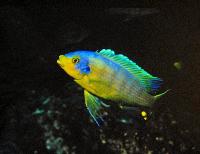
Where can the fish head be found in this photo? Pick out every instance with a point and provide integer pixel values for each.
(75, 64)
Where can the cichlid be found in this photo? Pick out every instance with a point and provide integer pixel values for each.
(110, 76)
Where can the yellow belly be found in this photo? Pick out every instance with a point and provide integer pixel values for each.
(97, 87)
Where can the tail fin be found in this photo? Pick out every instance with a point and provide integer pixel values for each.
(160, 95)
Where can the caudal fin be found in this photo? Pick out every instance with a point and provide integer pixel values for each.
(160, 95)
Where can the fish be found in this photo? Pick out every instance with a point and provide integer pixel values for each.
(105, 75)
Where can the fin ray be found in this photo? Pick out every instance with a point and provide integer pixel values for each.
(94, 106)
(156, 97)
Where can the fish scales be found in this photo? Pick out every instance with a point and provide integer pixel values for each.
(129, 90)
(122, 85)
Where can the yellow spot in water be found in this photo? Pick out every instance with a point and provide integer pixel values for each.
(178, 65)
(143, 113)
(145, 118)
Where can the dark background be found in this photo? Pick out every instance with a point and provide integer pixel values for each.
(34, 35)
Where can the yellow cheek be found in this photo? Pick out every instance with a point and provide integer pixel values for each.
(72, 71)
(69, 68)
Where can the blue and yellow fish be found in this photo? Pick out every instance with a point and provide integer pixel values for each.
(104, 74)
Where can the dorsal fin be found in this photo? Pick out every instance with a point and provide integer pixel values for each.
(149, 82)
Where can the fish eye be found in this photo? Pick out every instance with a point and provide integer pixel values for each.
(75, 60)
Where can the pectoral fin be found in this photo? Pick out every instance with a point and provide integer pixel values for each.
(94, 106)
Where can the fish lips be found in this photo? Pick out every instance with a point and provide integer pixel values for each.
(60, 63)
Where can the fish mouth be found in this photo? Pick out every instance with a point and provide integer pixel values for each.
(59, 63)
